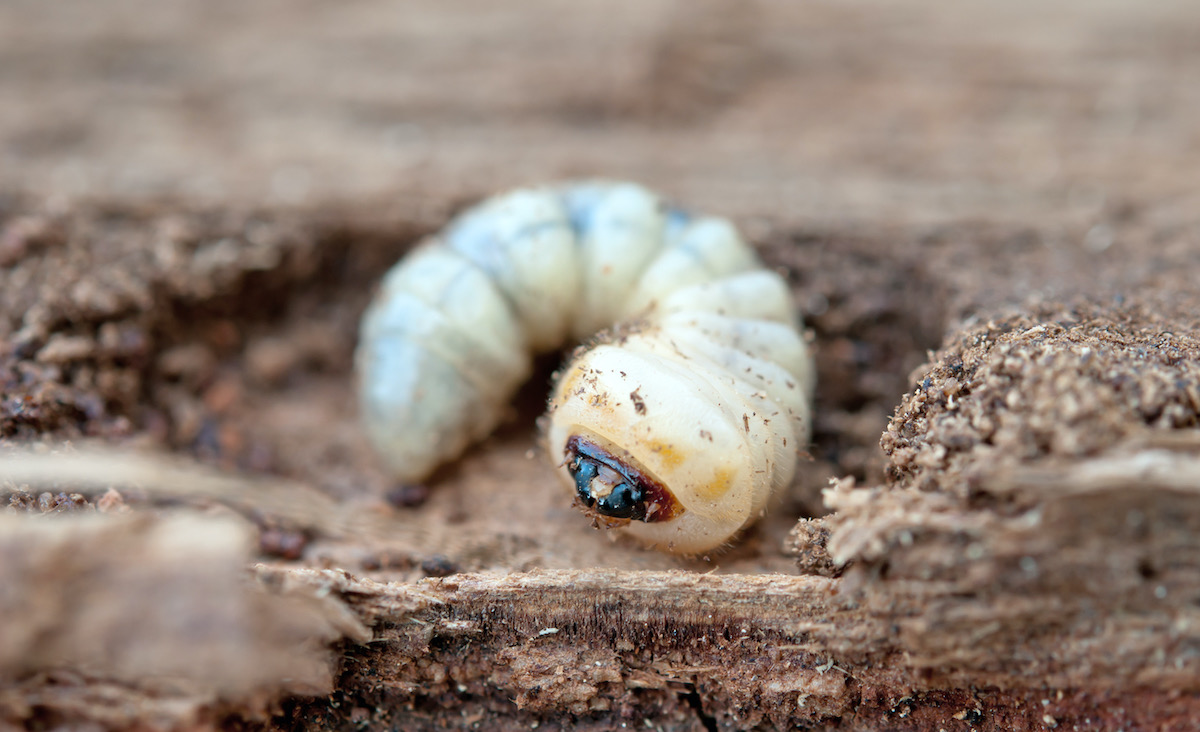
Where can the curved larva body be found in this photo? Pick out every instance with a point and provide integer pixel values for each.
(676, 426)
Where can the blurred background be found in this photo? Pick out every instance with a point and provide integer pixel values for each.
(828, 113)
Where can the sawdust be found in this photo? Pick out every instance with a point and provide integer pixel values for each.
(1058, 381)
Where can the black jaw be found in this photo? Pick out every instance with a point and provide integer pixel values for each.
(612, 485)
(626, 500)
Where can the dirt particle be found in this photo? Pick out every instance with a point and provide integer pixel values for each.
(23, 235)
(282, 543)
(224, 395)
(438, 565)
(192, 364)
(408, 495)
(62, 349)
(111, 502)
(639, 404)
(270, 360)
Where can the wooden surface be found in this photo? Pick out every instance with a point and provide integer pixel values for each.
(989, 218)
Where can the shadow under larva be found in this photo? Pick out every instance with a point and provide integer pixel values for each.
(679, 421)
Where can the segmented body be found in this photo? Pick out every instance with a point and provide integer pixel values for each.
(678, 421)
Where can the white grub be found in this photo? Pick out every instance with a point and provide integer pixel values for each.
(663, 425)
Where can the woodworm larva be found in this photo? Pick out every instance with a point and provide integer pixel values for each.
(674, 425)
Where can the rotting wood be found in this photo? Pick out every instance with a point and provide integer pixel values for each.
(924, 169)
(783, 649)
(142, 618)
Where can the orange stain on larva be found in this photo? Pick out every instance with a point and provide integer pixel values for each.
(668, 454)
(721, 483)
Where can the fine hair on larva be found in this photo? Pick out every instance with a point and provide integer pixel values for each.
(678, 421)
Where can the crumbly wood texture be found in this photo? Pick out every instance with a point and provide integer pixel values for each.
(130, 618)
(988, 219)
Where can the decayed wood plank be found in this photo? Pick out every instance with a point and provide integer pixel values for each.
(781, 649)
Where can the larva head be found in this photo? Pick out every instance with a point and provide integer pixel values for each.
(649, 448)
(609, 482)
